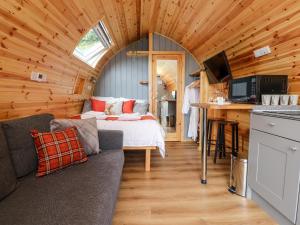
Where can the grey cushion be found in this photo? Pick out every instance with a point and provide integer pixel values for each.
(20, 142)
(81, 194)
(87, 106)
(141, 107)
(8, 178)
(87, 130)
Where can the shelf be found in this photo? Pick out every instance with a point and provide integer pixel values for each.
(144, 82)
(195, 74)
(137, 53)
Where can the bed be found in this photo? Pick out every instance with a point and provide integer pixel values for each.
(141, 132)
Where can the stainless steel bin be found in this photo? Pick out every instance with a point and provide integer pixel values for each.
(238, 175)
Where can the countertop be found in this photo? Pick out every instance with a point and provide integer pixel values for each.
(285, 112)
(223, 106)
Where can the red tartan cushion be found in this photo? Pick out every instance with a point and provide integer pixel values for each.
(57, 150)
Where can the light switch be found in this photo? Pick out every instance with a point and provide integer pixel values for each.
(38, 76)
(262, 51)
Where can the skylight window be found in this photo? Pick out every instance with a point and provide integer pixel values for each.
(93, 45)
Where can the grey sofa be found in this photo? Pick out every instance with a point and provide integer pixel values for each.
(82, 194)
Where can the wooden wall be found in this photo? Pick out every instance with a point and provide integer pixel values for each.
(35, 36)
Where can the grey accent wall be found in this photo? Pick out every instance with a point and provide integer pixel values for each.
(161, 43)
(121, 75)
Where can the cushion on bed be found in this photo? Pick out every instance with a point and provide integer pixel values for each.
(87, 106)
(108, 100)
(141, 108)
(128, 106)
(116, 108)
(98, 105)
(87, 131)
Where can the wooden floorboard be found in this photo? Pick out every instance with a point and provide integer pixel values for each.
(171, 193)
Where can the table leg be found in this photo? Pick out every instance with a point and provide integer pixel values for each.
(204, 147)
(148, 160)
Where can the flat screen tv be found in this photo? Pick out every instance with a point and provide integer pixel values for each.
(217, 68)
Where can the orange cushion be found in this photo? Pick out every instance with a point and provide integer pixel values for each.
(98, 105)
(57, 150)
(128, 106)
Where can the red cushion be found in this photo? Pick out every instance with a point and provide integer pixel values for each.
(57, 150)
(128, 106)
(98, 105)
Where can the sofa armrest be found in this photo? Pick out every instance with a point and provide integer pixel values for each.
(110, 139)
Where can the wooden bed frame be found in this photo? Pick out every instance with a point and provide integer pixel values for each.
(147, 150)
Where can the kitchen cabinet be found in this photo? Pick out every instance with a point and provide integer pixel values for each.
(274, 163)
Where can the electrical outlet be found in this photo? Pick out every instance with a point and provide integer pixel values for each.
(262, 51)
(38, 76)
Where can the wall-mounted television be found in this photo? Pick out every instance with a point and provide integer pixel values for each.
(217, 68)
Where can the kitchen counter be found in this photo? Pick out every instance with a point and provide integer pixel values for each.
(273, 163)
(285, 112)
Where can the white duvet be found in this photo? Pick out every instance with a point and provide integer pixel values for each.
(138, 133)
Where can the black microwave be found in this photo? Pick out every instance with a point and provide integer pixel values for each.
(249, 89)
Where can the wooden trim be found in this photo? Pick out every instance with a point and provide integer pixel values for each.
(150, 42)
(150, 59)
(137, 53)
(140, 147)
(182, 86)
(180, 57)
(167, 52)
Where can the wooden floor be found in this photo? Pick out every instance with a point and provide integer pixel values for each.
(171, 193)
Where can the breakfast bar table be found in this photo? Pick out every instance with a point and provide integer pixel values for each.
(203, 123)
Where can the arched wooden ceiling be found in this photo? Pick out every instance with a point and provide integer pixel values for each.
(42, 34)
(205, 27)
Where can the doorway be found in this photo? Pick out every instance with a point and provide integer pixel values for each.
(167, 84)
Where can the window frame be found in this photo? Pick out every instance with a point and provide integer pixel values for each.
(105, 40)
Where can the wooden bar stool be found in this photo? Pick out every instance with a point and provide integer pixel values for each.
(210, 124)
(221, 142)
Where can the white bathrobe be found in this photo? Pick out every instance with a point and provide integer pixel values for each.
(191, 95)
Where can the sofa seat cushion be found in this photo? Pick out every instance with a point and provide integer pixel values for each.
(81, 194)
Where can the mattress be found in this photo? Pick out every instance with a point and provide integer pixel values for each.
(137, 133)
